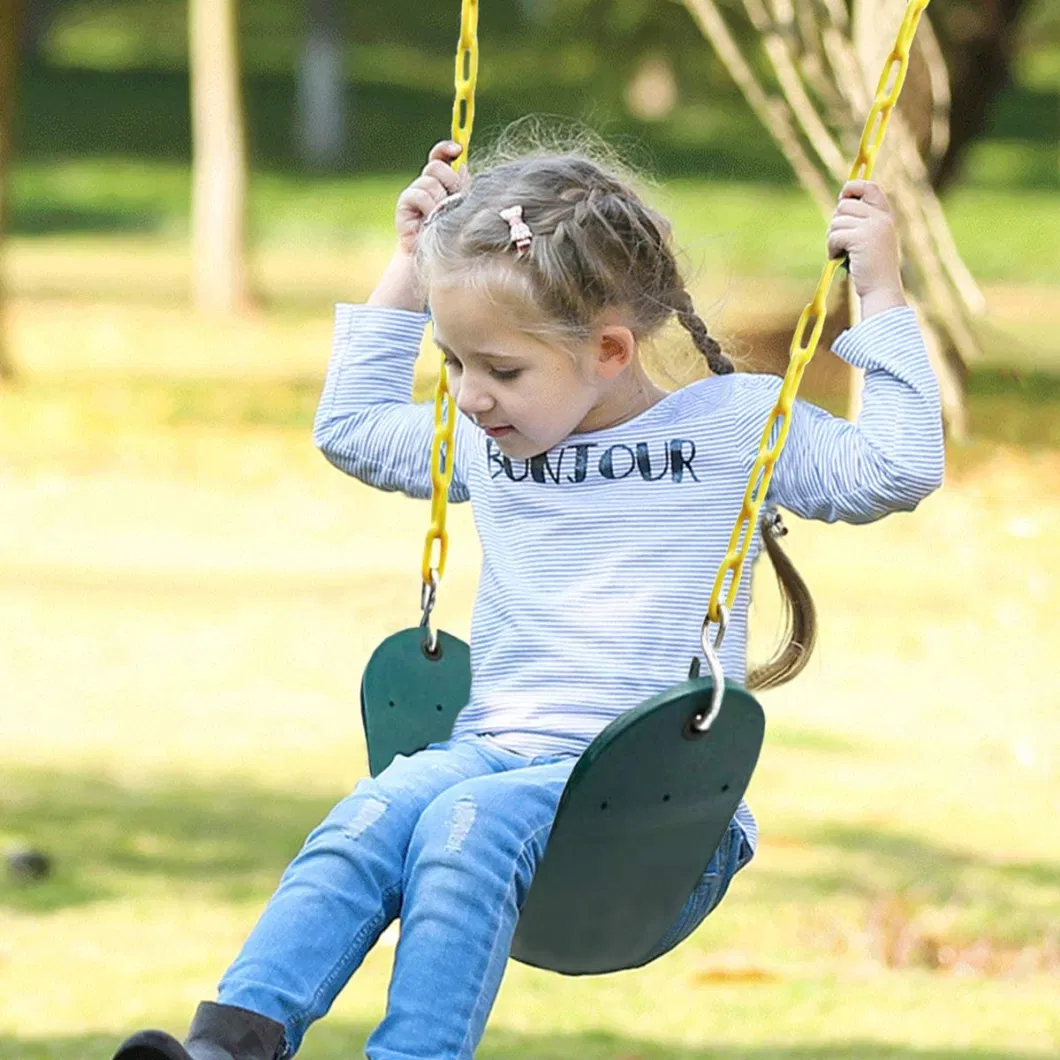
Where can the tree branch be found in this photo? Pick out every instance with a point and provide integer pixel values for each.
(772, 111)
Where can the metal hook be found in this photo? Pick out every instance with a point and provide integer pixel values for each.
(428, 597)
(702, 722)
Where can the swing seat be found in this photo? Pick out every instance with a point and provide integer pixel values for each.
(410, 700)
(642, 813)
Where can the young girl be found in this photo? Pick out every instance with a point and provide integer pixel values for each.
(604, 506)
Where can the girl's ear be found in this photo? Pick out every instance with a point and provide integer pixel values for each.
(615, 347)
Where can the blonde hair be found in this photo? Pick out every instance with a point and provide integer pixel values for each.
(596, 245)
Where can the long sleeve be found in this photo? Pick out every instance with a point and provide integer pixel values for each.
(367, 424)
(893, 456)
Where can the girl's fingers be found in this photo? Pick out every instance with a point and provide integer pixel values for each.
(874, 196)
(432, 186)
(853, 189)
(444, 174)
(842, 234)
(868, 191)
(853, 208)
(436, 182)
(444, 151)
(838, 244)
(417, 200)
(847, 232)
(845, 224)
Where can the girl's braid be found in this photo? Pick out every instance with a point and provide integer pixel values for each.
(645, 238)
(707, 345)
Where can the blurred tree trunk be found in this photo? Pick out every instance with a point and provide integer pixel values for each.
(219, 179)
(979, 43)
(36, 21)
(322, 113)
(10, 24)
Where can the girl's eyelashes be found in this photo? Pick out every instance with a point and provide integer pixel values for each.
(506, 375)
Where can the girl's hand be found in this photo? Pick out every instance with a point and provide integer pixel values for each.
(863, 229)
(437, 181)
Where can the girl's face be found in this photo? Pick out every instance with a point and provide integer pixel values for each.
(527, 395)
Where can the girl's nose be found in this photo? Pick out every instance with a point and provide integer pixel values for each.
(472, 399)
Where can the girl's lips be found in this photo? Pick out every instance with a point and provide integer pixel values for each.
(496, 432)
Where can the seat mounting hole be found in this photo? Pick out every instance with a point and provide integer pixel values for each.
(689, 730)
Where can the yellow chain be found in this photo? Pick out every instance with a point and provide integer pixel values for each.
(466, 76)
(890, 85)
(444, 414)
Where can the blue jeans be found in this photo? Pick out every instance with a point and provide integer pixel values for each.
(448, 840)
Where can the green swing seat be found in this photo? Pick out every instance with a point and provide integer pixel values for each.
(644, 809)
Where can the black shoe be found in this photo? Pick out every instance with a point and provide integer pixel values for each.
(218, 1032)
(151, 1045)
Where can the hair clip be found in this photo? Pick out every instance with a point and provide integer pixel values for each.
(521, 235)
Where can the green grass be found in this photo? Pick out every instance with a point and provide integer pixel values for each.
(1004, 408)
(188, 593)
(347, 1040)
(1010, 236)
(746, 229)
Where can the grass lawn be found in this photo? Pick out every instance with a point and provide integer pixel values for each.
(188, 594)
(116, 231)
(1007, 235)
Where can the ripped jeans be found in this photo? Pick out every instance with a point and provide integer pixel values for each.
(448, 840)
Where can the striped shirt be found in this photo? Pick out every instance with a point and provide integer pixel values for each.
(598, 556)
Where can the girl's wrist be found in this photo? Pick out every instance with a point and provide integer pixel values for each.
(399, 287)
(879, 301)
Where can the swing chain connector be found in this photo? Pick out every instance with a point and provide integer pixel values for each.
(702, 722)
(428, 598)
(774, 525)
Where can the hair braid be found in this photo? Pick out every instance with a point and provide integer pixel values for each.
(707, 345)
